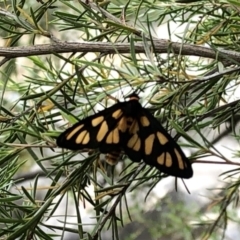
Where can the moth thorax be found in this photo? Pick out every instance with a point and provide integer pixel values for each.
(133, 108)
(113, 158)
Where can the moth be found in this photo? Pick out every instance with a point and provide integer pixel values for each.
(129, 128)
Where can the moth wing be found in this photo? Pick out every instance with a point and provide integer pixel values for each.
(156, 147)
(96, 131)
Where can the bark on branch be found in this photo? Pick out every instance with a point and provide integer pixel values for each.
(160, 46)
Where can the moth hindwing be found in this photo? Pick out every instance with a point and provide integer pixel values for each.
(128, 127)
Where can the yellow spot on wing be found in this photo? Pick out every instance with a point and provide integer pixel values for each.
(117, 114)
(102, 131)
(97, 121)
(144, 121)
(161, 159)
(115, 135)
(165, 159)
(149, 144)
(168, 160)
(179, 158)
(134, 127)
(162, 139)
(137, 145)
(109, 139)
(73, 132)
(132, 141)
(81, 136)
(86, 139)
(122, 124)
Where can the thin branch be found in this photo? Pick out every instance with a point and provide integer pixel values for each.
(160, 46)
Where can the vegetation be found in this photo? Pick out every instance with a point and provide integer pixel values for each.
(64, 60)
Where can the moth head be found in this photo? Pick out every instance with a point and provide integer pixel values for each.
(133, 96)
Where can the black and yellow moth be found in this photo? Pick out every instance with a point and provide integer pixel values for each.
(130, 128)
